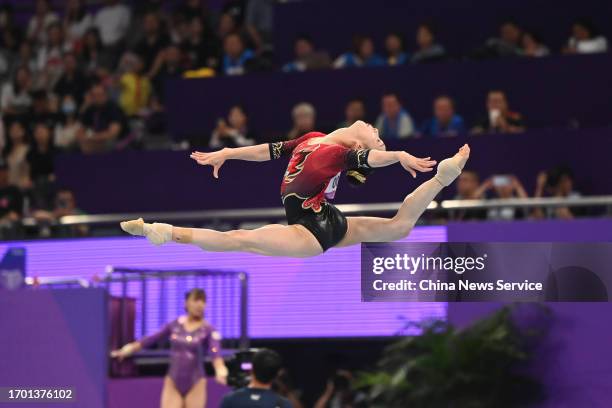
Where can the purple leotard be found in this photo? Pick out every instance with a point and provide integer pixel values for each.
(187, 351)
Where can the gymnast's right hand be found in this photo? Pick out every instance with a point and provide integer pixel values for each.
(123, 352)
(214, 159)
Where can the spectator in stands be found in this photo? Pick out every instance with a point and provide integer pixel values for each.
(266, 366)
(500, 119)
(469, 188)
(557, 182)
(445, 121)
(16, 97)
(50, 55)
(77, 20)
(236, 56)
(154, 40)
(533, 46)
(304, 116)
(40, 163)
(11, 198)
(72, 82)
(93, 55)
(101, 123)
(112, 22)
(508, 44)
(362, 55)
(10, 33)
(65, 204)
(394, 45)
(66, 129)
(428, 50)
(201, 48)
(354, 111)
(167, 66)
(44, 109)
(585, 39)
(135, 86)
(504, 187)
(193, 8)
(226, 25)
(39, 23)
(234, 132)
(25, 58)
(394, 122)
(259, 22)
(15, 155)
(306, 57)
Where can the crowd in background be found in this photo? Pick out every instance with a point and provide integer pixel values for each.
(91, 80)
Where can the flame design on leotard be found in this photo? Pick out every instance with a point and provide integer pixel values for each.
(296, 164)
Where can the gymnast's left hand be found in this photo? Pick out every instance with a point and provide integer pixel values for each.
(411, 163)
(214, 159)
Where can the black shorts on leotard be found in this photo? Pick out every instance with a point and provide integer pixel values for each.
(328, 225)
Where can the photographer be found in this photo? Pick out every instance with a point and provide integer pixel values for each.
(258, 394)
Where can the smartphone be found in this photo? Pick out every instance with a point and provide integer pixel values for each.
(501, 180)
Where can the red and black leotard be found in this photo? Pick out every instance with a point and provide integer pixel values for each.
(312, 174)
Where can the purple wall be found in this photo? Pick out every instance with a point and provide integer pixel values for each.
(461, 26)
(55, 339)
(553, 91)
(170, 181)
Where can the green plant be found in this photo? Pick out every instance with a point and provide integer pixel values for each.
(482, 365)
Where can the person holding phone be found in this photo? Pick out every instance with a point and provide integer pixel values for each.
(233, 132)
(504, 186)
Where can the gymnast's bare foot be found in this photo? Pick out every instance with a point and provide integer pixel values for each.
(449, 169)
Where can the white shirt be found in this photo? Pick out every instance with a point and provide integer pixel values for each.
(591, 46)
(47, 20)
(112, 22)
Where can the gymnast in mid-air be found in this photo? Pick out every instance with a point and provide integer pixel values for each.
(314, 224)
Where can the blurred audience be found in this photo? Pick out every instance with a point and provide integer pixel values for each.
(394, 46)
(445, 121)
(306, 57)
(166, 66)
(201, 49)
(15, 155)
(77, 20)
(585, 39)
(236, 55)
(428, 50)
(469, 188)
(64, 205)
(39, 23)
(533, 46)
(508, 44)
(112, 22)
(40, 162)
(354, 111)
(72, 82)
(135, 87)
(503, 187)
(499, 119)
(557, 182)
(234, 132)
(66, 129)
(11, 198)
(304, 116)
(154, 40)
(101, 123)
(16, 98)
(394, 122)
(362, 55)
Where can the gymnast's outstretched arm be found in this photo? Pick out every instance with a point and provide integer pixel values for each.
(382, 158)
(260, 152)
